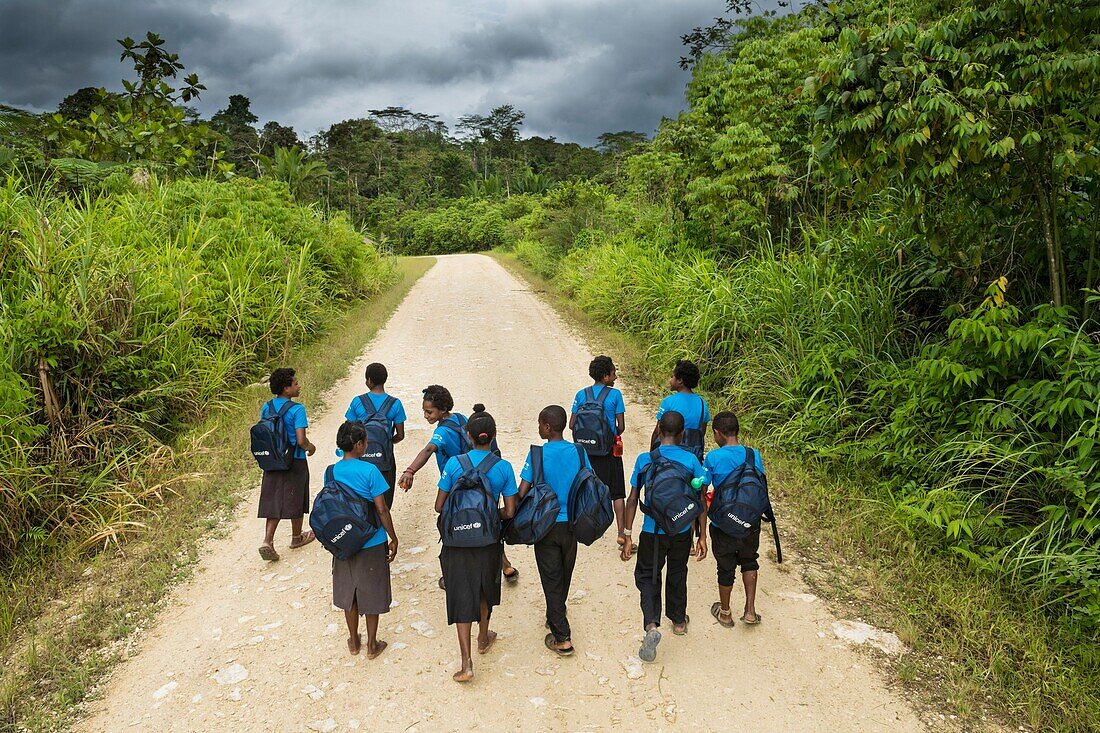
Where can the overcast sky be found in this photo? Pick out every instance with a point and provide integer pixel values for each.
(576, 67)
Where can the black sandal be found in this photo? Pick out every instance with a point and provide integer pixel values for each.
(549, 641)
(514, 577)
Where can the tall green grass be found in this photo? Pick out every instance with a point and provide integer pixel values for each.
(125, 316)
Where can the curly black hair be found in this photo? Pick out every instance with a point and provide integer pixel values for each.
(687, 372)
(280, 379)
(377, 373)
(439, 396)
(726, 423)
(554, 416)
(600, 367)
(350, 433)
(671, 423)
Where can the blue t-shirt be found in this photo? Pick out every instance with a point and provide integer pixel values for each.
(365, 480)
(560, 463)
(612, 407)
(448, 442)
(502, 477)
(693, 407)
(294, 418)
(356, 411)
(721, 462)
(673, 453)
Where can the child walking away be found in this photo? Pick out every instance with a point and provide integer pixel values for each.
(598, 419)
(684, 379)
(469, 494)
(383, 416)
(672, 477)
(740, 503)
(550, 471)
(285, 494)
(361, 580)
(449, 439)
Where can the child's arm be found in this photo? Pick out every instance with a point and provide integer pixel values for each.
(386, 518)
(303, 441)
(629, 512)
(620, 423)
(440, 497)
(524, 487)
(425, 455)
(701, 527)
(509, 509)
(398, 433)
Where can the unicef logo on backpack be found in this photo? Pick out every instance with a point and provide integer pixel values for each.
(585, 441)
(738, 520)
(464, 527)
(347, 528)
(684, 513)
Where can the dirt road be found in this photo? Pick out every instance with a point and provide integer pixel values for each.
(249, 646)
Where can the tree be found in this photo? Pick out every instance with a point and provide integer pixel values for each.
(275, 135)
(80, 103)
(620, 142)
(292, 167)
(993, 103)
(236, 123)
(400, 119)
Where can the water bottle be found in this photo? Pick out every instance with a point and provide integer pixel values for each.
(697, 483)
(617, 448)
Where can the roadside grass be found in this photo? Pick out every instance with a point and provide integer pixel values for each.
(976, 655)
(66, 622)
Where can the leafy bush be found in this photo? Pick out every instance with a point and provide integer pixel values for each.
(469, 225)
(124, 316)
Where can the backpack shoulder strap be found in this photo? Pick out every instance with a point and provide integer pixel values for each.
(464, 462)
(702, 412)
(330, 476)
(604, 394)
(581, 454)
(285, 408)
(487, 463)
(387, 405)
(536, 464)
(589, 394)
(750, 457)
(368, 406)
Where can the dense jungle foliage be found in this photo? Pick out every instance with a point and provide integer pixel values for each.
(134, 295)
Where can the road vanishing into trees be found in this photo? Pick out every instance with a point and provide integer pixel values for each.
(249, 646)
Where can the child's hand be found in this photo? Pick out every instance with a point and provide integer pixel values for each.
(406, 480)
(628, 548)
(311, 449)
(393, 550)
(700, 548)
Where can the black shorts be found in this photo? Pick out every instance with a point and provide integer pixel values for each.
(609, 469)
(730, 552)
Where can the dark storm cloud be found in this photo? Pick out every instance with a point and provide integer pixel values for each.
(576, 69)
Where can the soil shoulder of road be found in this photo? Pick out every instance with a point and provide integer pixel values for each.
(248, 646)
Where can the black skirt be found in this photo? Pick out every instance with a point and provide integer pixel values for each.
(285, 494)
(363, 580)
(609, 469)
(470, 574)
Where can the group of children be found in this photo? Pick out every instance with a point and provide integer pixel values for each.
(462, 446)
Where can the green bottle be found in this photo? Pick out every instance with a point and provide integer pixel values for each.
(697, 483)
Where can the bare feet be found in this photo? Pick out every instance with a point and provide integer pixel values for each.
(484, 645)
(466, 673)
(378, 648)
(355, 644)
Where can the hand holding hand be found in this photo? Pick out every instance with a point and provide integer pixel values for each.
(628, 548)
(406, 480)
(700, 548)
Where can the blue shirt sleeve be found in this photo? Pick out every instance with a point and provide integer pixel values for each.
(299, 419)
(640, 463)
(350, 413)
(447, 477)
(577, 400)
(439, 438)
(698, 471)
(706, 411)
(397, 413)
(708, 468)
(526, 473)
(508, 476)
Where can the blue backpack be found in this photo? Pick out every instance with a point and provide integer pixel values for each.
(379, 433)
(694, 438)
(669, 498)
(590, 428)
(342, 520)
(469, 517)
(457, 423)
(741, 502)
(538, 510)
(271, 446)
(590, 509)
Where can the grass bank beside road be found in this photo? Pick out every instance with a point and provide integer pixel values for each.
(68, 619)
(976, 650)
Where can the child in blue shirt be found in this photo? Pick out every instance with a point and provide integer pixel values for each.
(556, 553)
(684, 379)
(728, 551)
(674, 550)
(285, 494)
(608, 468)
(444, 444)
(472, 574)
(361, 583)
(376, 376)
